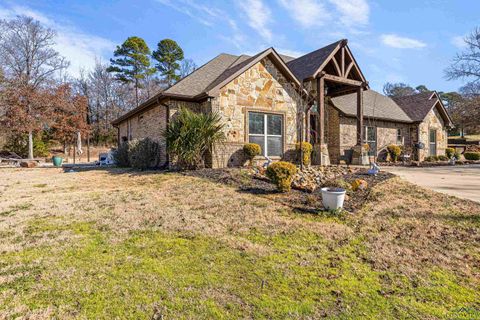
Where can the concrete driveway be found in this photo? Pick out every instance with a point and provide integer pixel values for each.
(459, 181)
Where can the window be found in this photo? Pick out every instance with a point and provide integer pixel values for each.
(432, 150)
(266, 130)
(371, 139)
(399, 136)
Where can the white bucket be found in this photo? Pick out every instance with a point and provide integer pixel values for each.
(333, 198)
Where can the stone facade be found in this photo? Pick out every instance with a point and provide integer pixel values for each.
(262, 88)
(433, 121)
(342, 134)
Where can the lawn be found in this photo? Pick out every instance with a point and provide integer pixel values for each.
(106, 244)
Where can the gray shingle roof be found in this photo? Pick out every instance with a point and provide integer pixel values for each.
(305, 66)
(417, 106)
(197, 82)
(375, 105)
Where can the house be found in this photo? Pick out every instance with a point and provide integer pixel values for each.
(275, 101)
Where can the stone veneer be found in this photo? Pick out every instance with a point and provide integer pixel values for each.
(262, 88)
(342, 134)
(433, 120)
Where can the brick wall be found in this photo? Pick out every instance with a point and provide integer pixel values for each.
(149, 123)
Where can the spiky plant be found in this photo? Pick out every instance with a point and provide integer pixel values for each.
(191, 136)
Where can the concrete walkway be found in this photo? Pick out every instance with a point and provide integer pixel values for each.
(459, 181)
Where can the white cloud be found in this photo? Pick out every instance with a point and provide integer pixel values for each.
(353, 12)
(459, 42)
(80, 48)
(209, 16)
(259, 17)
(308, 13)
(396, 41)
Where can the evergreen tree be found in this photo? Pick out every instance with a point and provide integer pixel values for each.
(132, 63)
(168, 55)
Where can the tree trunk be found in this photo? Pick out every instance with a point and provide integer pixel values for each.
(136, 92)
(30, 145)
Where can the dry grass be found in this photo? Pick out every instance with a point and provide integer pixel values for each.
(113, 243)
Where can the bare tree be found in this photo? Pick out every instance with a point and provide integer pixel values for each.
(29, 61)
(466, 64)
(187, 66)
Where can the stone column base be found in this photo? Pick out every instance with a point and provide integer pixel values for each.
(321, 155)
(360, 156)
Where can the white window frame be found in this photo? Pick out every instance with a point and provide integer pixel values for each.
(399, 136)
(265, 135)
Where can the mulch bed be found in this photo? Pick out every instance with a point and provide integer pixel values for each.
(301, 201)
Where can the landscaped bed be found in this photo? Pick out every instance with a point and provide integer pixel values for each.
(220, 244)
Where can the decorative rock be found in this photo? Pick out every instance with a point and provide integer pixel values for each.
(28, 164)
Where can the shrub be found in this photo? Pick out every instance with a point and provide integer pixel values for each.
(281, 173)
(192, 136)
(442, 158)
(307, 149)
(251, 150)
(359, 184)
(472, 155)
(19, 144)
(394, 151)
(449, 152)
(431, 159)
(144, 154)
(120, 156)
(457, 155)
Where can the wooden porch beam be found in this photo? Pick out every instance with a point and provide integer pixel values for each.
(349, 68)
(360, 116)
(343, 80)
(343, 63)
(337, 67)
(321, 113)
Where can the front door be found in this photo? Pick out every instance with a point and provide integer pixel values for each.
(432, 147)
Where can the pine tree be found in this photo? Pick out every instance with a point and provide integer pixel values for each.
(168, 56)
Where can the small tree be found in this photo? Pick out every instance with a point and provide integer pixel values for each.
(191, 136)
(168, 55)
(132, 63)
(28, 62)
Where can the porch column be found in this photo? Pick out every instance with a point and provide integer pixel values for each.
(321, 117)
(360, 133)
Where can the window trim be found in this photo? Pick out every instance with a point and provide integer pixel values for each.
(265, 113)
(365, 131)
(400, 137)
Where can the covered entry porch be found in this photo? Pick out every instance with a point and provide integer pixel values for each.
(330, 72)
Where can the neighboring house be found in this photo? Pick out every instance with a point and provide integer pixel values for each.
(276, 101)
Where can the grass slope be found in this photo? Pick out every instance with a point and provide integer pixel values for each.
(107, 244)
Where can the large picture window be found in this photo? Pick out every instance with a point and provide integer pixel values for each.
(266, 130)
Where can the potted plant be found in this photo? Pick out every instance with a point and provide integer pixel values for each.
(333, 197)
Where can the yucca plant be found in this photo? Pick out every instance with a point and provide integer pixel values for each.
(191, 136)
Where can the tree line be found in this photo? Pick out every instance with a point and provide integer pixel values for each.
(41, 104)
(464, 104)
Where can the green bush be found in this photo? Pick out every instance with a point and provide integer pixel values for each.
(192, 136)
(394, 151)
(443, 158)
(449, 152)
(144, 154)
(281, 173)
(431, 159)
(120, 156)
(19, 144)
(251, 150)
(472, 155)
(457, 155)
(307, 149)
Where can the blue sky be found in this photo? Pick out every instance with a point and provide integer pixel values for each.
(408, 41)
